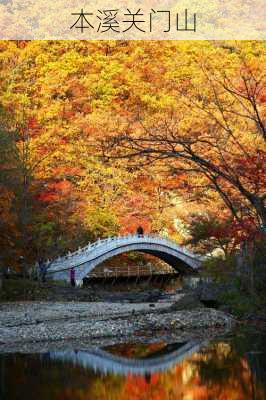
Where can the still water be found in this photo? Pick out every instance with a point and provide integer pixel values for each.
(228, 368)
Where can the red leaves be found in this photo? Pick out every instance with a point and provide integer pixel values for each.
(130, 223)
(67, 171)
(68, 114)
(246, 229)
(55, 191)
(33, 127)
(262, 98)
(48, 197)
(138, 385)
(251, 170)
(64, 186)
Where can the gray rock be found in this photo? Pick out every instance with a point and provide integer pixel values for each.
(187, 302)
(212, 291)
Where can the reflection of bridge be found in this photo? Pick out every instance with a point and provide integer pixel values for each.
(106, 362)
(87, 258)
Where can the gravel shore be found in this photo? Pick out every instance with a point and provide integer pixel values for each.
(42, 322)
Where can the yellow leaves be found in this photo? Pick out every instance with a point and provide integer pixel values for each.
(68, 63)
(82, 94)
(162, 102)
(100, 222)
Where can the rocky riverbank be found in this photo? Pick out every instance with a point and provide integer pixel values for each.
(31, 323)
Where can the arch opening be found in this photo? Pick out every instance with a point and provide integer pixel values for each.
(132, 263)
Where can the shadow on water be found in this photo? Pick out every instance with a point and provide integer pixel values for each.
(233, 367)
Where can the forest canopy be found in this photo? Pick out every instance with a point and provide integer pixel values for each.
(100, 137)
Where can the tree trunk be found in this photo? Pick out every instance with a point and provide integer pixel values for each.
(261, 210)
(1, 275)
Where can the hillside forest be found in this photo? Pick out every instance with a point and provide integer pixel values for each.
(100, 137)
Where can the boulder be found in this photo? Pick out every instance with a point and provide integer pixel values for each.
(187, 302)
(211, 292)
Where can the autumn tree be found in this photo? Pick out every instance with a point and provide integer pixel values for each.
(9, 183)
(211, 132)
(192, 113)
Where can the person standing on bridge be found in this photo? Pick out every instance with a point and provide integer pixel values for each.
(72, 277)
(140, 231)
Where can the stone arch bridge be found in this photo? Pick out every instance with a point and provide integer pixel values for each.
(86, 259)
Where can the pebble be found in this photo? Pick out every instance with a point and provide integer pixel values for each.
(43, 321)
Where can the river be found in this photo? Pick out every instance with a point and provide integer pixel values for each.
(232, 367)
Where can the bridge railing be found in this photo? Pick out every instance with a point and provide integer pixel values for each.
(131, 271)
(80, 254)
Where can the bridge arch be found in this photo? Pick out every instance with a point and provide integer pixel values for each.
(86, 259)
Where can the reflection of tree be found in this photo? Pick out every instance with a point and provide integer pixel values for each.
(34, 377)
(220, 367)
(2, 376)
(144, 351)
(215, 363)
(256, 357)
(219, 372)
(257, 365)
(136, 350)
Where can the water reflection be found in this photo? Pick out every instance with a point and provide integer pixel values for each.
(119, 359)
(228, 369)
